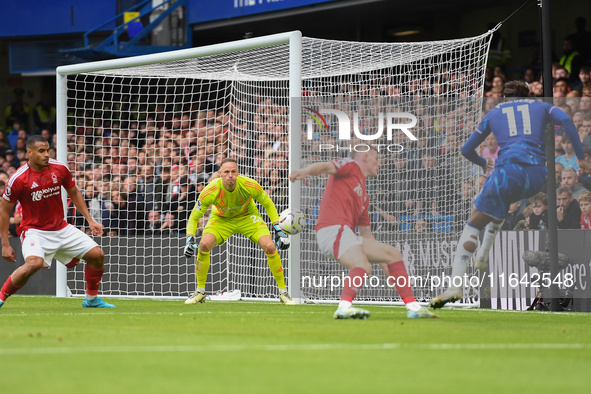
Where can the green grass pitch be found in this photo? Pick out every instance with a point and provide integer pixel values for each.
(51, 345)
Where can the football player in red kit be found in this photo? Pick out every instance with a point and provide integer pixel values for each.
(45, 234)
(344, 208)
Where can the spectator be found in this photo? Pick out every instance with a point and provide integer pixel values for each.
(582, 38)
(13, 133)
(536, 89)
(569, 159)
(568, 211)
(585, 130)
(4, 144)
(182, 204)
(529, 75)
(572, 59)
(571, 180)
(17, 111)
(150, 187)
(584, 79)
(153, 224)
(490, 150)
(278, 189)
(169, 226)
(12, 159)
(538, 219)
(120, 216)
(430, 185)
(578, 120)
(585, 204)
(44, 114)
(560, 86)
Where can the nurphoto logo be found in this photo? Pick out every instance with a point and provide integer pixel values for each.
(386, 125)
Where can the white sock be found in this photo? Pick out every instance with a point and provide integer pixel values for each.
(284, 290)
(344, 304)
(89, 297)
(462, 256)
(201, 289)
(490, 233)
(413, 306)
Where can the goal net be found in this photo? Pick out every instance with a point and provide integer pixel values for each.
(144, 135)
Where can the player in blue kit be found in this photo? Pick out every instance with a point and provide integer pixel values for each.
(519, 125)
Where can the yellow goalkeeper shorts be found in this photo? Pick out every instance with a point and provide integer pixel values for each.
(252, 226)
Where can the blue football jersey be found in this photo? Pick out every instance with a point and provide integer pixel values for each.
(519, 127)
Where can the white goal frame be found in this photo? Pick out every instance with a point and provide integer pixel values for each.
(293, 39)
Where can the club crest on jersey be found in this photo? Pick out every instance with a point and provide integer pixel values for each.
(54, 178)
(359, 190)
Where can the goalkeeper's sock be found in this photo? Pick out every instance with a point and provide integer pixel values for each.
(203, 263)
(274, 261)
(8, 289)
(488, 239)
(93, 278)
(398, 277)
(352, 283)
(462, 257)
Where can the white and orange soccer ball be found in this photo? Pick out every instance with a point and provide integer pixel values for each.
(292, 221)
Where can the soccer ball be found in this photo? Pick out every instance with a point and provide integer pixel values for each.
(292, 221)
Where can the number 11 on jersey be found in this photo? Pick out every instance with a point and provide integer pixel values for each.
(510, 113)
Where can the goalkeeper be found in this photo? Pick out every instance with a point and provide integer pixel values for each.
(234, 211)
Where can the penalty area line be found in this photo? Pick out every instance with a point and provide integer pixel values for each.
(299, 347)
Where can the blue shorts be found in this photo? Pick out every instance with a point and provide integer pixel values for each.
(508, 184)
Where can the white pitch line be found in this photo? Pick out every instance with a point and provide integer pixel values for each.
(304, 347)
(106, 312)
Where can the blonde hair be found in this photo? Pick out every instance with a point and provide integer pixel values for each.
(586, 196)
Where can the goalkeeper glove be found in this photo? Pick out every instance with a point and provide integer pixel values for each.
(281, 240)
(190, 247)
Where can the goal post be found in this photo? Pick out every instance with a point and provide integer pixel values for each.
(292, 39)
(143, 135)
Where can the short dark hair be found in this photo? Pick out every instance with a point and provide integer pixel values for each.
(561, 80)
(564, 189)
(32, 140)
(516, 89)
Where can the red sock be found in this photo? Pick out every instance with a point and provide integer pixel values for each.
(399, 278)
(353, 282)
(8, 289)
(93, 279)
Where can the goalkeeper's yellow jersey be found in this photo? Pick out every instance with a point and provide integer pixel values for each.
(238, 202)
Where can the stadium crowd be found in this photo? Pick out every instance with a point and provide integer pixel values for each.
(142, 170)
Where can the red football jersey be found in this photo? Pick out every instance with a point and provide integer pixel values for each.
(40, 195)
(345, 200)
(585, 222)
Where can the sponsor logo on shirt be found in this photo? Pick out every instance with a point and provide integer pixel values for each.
(45, 193)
